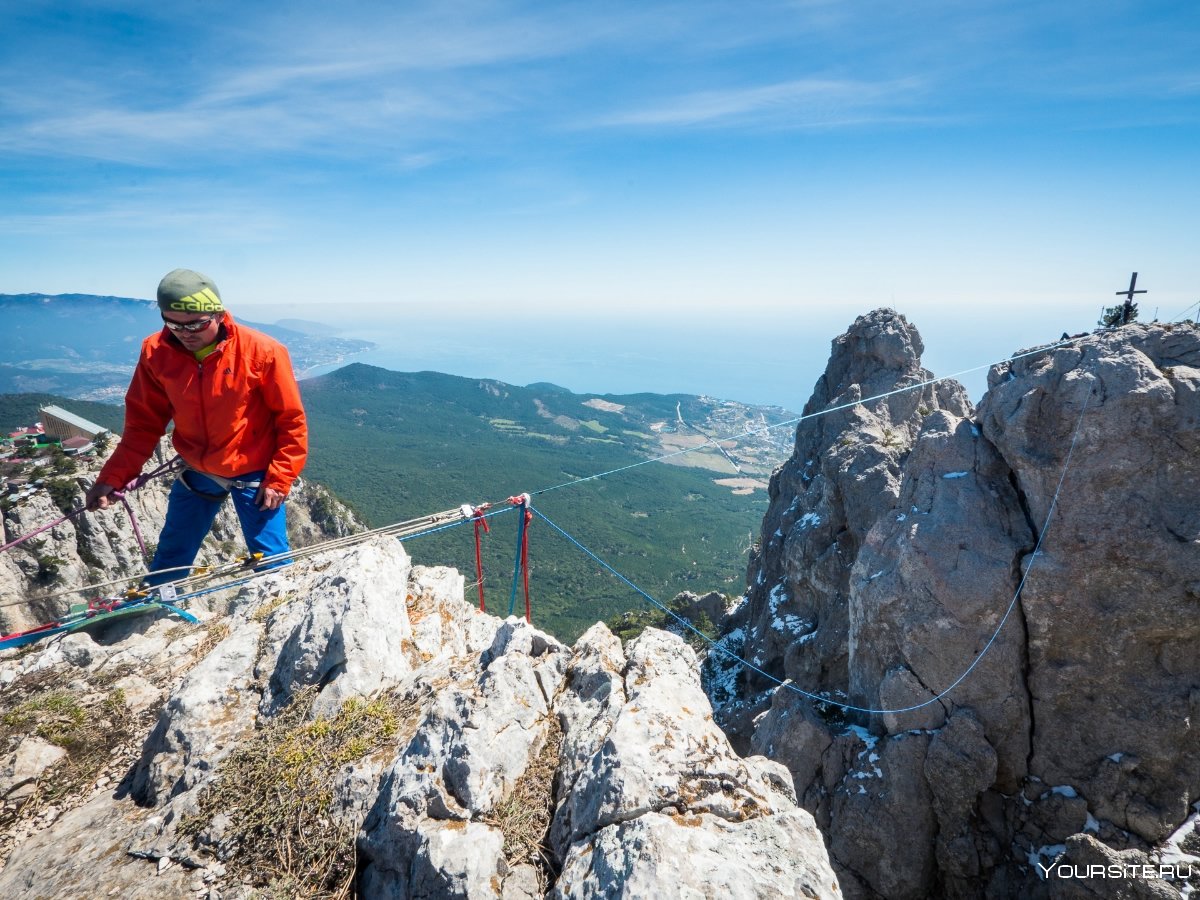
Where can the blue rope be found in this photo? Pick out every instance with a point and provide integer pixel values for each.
(212, 590)
(826, 700)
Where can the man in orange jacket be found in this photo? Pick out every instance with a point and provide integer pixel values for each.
(239, 425)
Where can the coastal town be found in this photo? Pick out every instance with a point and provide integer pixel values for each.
(34, 457)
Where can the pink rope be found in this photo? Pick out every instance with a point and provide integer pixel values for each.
(23, 538)
(120, 495)
(137, 532)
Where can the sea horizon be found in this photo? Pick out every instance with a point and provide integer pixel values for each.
(722, 360)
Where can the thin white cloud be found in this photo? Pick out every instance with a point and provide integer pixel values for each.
(356, 115)
(1186, 85)
(361, 81)
(296, 83)
(809, 102)
(180, 206)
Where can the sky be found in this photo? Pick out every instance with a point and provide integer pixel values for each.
(732, 179)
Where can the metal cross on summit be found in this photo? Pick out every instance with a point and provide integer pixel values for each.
(1129, 310)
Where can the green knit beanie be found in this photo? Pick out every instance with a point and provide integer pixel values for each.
(188, 292)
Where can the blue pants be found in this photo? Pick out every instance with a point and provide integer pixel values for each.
(193, 505)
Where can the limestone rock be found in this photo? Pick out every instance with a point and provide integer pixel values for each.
(449, 859)
(348, 640)
(85, 848)
(922, 623)
(693, 607)
(478, 736)
(663, 750)
(843, 475)
(663, 807)
(884, 801)
(593, 693)
(1124, 874)
(887, 576)
(495, 726)
(20, 771)
(200, 721)
(657, 855)
(1111, 604)
(138, 693)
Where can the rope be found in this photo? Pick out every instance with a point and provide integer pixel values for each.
(481, 528)
(413, 528)
(96, 610)
(1179, 316)
(403, 530)
(32, 534)
(137, 531)
(350, 540)
(104, 605)
(826, 700)
(521, 563)
(120, 495)
(259, 571)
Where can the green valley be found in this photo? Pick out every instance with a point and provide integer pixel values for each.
(396, 446)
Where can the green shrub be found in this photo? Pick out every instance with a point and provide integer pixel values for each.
(49, 568)
(1121, 314)
(64, 492)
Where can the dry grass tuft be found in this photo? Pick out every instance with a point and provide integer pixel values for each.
(89, 726)
(264, 612)
(274, 796)
(524, 816)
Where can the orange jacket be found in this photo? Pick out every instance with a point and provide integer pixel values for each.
(236, 412)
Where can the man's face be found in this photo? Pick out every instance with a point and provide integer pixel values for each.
(194, 340)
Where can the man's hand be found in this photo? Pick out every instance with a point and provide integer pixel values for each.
(269, 498)
(97, 497)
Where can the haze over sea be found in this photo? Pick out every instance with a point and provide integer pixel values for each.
(753, 360)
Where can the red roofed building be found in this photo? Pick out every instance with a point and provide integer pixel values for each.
(75, 445)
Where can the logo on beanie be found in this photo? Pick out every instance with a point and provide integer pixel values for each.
(188, 292)
(201, 301)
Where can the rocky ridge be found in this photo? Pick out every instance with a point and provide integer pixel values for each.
(465, 756)
(453, 754)
(895, 541)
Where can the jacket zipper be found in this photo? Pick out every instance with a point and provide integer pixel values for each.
(203, 414)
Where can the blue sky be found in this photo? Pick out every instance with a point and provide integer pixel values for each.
(992, 169)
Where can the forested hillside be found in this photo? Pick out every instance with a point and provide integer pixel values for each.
(18, 410)
(398, 445)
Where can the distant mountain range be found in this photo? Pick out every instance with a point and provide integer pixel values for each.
(85, 346)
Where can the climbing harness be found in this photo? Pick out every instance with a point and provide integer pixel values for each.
(227, 484)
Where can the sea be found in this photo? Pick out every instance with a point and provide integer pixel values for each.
(772, 361)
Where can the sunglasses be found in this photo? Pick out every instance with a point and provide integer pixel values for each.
(198, 325)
